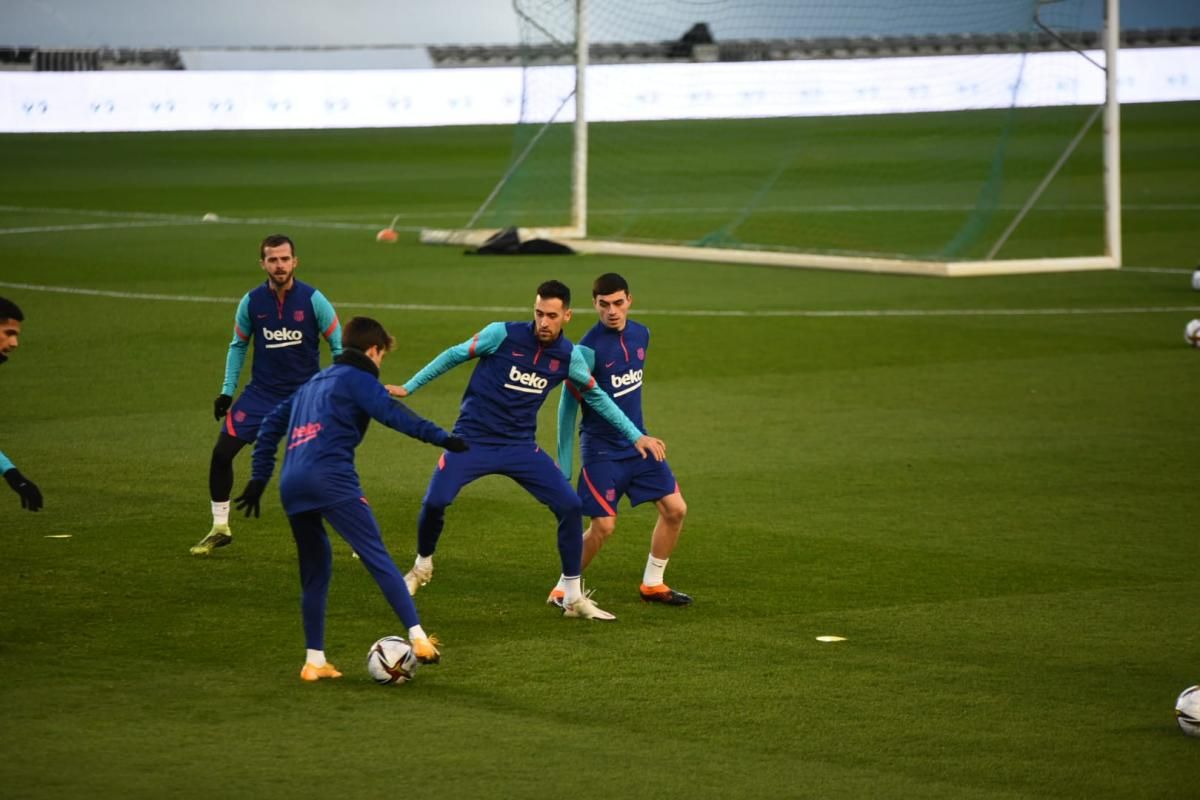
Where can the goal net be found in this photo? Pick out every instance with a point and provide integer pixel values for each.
(947, 137)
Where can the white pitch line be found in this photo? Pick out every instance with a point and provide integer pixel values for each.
(798, 313)
(92, 226)
(146, 219)
(178, 298)
(1162, 270)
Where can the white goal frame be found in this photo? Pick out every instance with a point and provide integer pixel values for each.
(575, 235)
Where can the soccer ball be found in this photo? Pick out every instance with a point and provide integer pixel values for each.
(1191, 334)
(392, 660)
(1187, 711)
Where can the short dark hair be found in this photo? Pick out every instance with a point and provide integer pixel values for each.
(274, 240)
(363, 333)
(552, 289)
(608, 283)
(10, 310)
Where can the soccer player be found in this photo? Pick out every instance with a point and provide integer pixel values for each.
(286, 319)
(10, 339)
(519, 364)
(615, 353)
(327, 418)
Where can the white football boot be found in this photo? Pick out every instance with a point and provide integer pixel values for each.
(582, 607)
(418, 577)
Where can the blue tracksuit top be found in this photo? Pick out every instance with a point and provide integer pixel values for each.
(324, 421)
(287, 337)
(616, 360)
(510, 383)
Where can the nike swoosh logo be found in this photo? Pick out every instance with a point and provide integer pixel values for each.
(518, 355)
(262, 316)
(609, 364)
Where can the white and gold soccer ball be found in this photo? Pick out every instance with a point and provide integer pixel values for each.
(392, 660)
(1187, 711)
(1191, 334)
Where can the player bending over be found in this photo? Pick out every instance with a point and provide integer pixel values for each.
(326, 420)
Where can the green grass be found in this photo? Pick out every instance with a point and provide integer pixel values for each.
(997, 510)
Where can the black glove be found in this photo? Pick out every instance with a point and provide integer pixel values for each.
(31, 496)
(250, 497)
(221, 406)
(456, 444)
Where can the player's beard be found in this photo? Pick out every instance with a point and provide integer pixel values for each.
(279, 283)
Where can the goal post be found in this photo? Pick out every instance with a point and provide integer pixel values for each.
(943, 137)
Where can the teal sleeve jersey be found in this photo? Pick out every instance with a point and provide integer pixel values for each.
(327, 321)
(481, 344)
(5, 464)
(235, 359)
(601, 403)
(568, 406)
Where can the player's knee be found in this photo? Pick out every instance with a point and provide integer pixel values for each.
(602, 527)
(225, 449)
(567, 505)
(222, 458)
(674, 511)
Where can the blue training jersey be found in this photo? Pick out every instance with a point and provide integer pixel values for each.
(287, 337)
(324, 421)
(514, 375)
(616, 360)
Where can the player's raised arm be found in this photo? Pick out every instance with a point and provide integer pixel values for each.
(481, 344)
(568, 405)
(581, 376)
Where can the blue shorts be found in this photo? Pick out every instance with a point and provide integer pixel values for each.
(602, 484)
(525, 463)
(247, 413)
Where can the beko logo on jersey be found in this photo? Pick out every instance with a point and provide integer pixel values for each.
(526, 381)
(284, 337)
(627, 382)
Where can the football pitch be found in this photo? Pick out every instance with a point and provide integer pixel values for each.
(983, 485)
